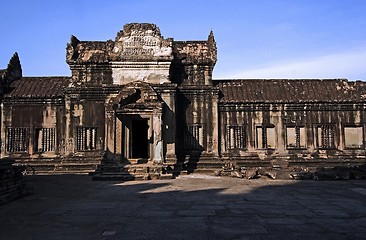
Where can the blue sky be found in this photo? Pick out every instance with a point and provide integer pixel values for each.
(255, 38)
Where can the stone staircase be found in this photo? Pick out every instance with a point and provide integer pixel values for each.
(129, 172)
(200, 164)
(70, 165)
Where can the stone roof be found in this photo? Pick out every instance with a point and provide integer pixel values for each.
(291, 91)
(93, 51)
(39, 87)
(197, 52)
(140, 42)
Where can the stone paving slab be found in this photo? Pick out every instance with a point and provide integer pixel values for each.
(189, 207)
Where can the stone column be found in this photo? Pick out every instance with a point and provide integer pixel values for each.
(109, 136)
(3, 133)
(69, 138)
(280, 128)
(169, 124)
(215, 124)
(114, 135)
(157, 136)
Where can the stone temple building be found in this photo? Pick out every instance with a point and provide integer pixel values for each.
(142, 103)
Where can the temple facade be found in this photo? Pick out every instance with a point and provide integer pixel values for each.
(146, 100)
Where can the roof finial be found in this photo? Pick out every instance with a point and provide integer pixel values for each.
(74, 41)
(14, 69)
(211, 39)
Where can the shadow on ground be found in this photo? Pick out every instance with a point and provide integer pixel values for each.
(192, 207)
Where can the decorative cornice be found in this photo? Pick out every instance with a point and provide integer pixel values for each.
(290, 107)
(141, 64)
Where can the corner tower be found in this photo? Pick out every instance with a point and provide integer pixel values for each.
(197, 103)
(194, 62)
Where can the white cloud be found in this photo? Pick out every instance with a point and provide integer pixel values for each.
(349, 65)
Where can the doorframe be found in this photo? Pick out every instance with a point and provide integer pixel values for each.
(127, 131)
(141, 122)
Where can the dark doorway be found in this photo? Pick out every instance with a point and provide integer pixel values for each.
(139, 139)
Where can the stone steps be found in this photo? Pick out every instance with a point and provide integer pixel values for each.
(120, 176)
(76, 167)
(60, 168)
(130, 177)
(210, 172)
(72, 165)
(61, 172)
(129, 172)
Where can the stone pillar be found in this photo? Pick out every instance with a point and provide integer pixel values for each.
(157, 136)
(3, 132)
(280, 128)
(69, 140)
(114, 135)
(168, 119)
(215, 124)
(109, 136)
(118, 137)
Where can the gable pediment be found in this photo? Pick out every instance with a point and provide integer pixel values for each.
(137, 95)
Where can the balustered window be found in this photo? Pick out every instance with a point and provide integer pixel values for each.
(236, 137)
(295, 137)
(266, 137)
(45, 140)
(193, 137)
(325, 136)
(17, 139)
(86, 138)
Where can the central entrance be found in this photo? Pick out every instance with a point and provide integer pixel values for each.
(140, 143)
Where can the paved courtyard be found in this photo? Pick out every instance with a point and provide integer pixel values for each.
(190, 207)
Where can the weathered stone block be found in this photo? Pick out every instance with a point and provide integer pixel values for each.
(251, 173)
(302, 175)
